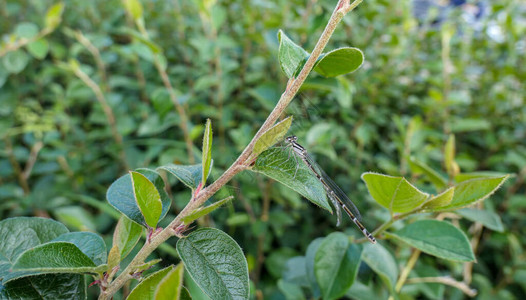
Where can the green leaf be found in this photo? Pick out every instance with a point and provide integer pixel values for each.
(489, 219)
(474, 175)
(438, 238)
(382, 263)
(48, 286)
(434, 177)
(295, 271)
(288, 169)
(312, 249)
(336, 264)
(26, 30)
(15, 61)
(55, 257)
(171, 285)
(216, 263)
(290, 290)
(142, 40)
(89, 243)
(339, 61)
(440, 200)
(114, 257)
(202, 211)
(76, 217)
(193, 289)
(121, 196)
(291, 56)
(126, 236)
(207, 150)
(145, 290)
(145, 266)
(393, 193)
(189, 175)
(466, 125)
(20, 234)
(134, 8)
(147, 198)
(270, 137)
(471, 191)
(38, 48)
(54, 16)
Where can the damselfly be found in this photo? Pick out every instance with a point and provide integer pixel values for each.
(335, 194)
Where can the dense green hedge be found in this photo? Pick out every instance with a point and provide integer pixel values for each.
(87, 93)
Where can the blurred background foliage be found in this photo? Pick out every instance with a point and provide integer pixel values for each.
(82, 103)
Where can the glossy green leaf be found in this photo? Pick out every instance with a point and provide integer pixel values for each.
(20, 234)
(207, 150)
(339, 61)
(189, 175)
(147, 198)
(271, 136)
(55, 257)
(145, 290)
(438, 238)
(440, 200)
(291, 56)
(216, 263)
(336, 264)
(202, 211)
(471, 191)
(89, 243)
(48, 286)
(487, 218)
(393, 193)
(38, 48)
(171, 285)
(284, 167)
(382, 263)
(126, 235)
(54, 16)
(15, 61)
(433, 176)
(122, 197)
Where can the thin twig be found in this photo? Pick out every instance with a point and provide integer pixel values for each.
(32, 158)
(173, 97)
(16, 166)
(407, 269)
(447, 281)
(107, 111)
(96, 55)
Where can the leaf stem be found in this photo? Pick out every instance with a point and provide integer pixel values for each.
(342, 8)
(407, 269)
